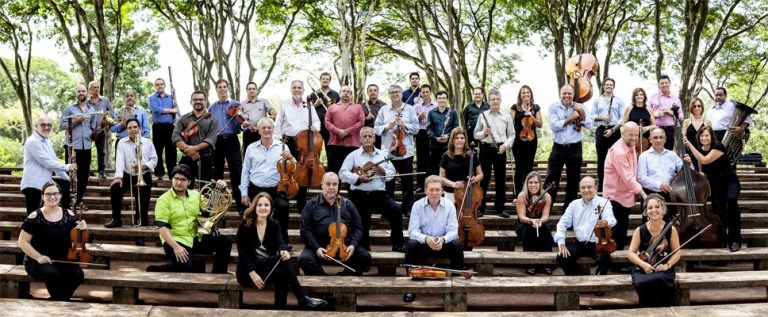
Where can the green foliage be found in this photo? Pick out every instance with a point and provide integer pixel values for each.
(12, 124)
(11, 154)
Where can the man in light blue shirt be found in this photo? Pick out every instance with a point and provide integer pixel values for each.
(367, 188)
(165, 110)
(564, 116)
(656, 167)
(433, 229)
(390, 118)
(40, 162)
(134, 112)
(260, 174)
(583, 216)
(227, 147)
(83, 119)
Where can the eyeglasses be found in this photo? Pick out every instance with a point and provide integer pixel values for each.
(394, 92)
(46, 125)
(180, 179)
(51, 195)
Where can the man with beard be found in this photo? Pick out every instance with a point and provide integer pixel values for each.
(371, 109)
(344, 120)
(100, 105)
(83, 125)
(40, 162)
(197, 147)
(294, 117)
(138, 113)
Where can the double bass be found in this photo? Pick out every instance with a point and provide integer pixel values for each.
(691, 190)
(579, 69)
(309, 171)
(468, 201)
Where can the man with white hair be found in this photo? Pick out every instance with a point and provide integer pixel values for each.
(40, 162)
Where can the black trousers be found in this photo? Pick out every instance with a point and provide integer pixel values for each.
(336, 156)
(116, 194)
(489, 158)
(524, 153)
(34, 197)
(570, 155)
(669, 132)
(418, 251)
(368, 201)
(202, 169)
(602, 144)
(435, 156)
(725, 203)
(100, 151)
(281, 206)
(619, 233)
(301, 196)
(309, 263)
(228, 148)
(161, 139)
(83, 161)
(61, 280)
(219, 246)
(283, 278)
(422, 156)
(248, 139)
(531, 242)
(580, 249)
(403, 166)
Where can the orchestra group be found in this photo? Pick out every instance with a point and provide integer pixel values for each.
(368, 147)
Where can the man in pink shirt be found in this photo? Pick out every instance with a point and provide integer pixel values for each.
(621, 186)
(661, 105)
(344, 121)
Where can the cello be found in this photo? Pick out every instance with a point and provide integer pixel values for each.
(468, 200)
(691, 190)
(309, 171)
(579, 69)
(287, 185)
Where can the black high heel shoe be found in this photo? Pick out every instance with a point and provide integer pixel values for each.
(312, 303)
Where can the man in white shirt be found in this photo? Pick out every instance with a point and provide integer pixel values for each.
(720, 115)
(495, 131)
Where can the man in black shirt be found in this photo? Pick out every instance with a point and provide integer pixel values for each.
(319, 213)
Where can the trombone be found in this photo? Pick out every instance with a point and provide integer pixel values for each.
(136, 215)
(312, 83)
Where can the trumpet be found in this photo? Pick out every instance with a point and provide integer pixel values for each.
(312, 83)
(214, 203)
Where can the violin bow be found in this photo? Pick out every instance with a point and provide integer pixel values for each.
(339, 263)
(273, 269)
(681, 246)
(79, 263)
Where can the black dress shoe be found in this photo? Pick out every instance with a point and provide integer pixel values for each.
(600, 293)
(409, 297)
(735, 247)
(140, 242)
(398, 248)
(102, 176)
(312, 303)
(289, 248)
(480, 214)
(504, 214)
(114, 223)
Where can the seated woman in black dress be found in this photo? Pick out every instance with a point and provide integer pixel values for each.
(261, 247)
(454, 165)
(44, 238)
(527, 226)
(654, 283)
(723, 181)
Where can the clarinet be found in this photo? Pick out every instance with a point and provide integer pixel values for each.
(447, 119)
(493, 139)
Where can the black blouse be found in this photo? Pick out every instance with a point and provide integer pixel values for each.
(646, 238)
(248, 241)
(457, 168)
(518, 122)
(50, 238)
(640, 113)
(719, 171)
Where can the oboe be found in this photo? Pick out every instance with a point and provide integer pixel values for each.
(447, 119)
(493, 139)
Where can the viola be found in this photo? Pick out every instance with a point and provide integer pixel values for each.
(398, 135)
(659, 244)
(369, 167)
(536, 204)
(309, 171)
(79, 237)
(425, 273)
(604, 245)
(691, 187)
(287, 185)
(193, 127)
(468, 201)
(338, 232)
(527, 134)
(236, 111)
(579, 69)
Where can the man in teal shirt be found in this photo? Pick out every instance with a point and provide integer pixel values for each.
(176, 214)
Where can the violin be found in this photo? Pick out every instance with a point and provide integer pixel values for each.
(369, 167)
(398, 135)
(468, 201)
(658, 245)
(430, 272)
(642, 143)
(527, 134)
(236, 111)
(605, 245)
(309, 171)
(693, 188)
(338, 232)
(193, 127)
(579, 69)
(287, 185)
(536, 205)
(79, 237)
